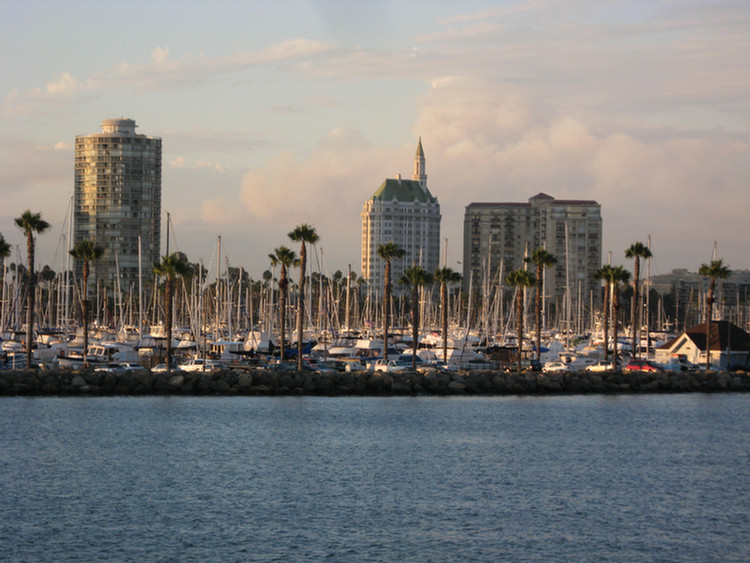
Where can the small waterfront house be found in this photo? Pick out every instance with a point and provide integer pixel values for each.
(729, 346)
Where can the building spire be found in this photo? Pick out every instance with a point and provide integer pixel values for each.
(419, 166)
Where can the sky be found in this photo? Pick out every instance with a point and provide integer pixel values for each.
(274, 114)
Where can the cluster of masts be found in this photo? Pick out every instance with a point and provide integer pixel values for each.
(234, 307)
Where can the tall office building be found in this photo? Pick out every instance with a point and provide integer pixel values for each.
(406, 213)
(502, 234)
(117, 199)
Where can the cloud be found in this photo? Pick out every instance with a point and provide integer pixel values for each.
(333, 176)
(63, 85)
(495, 13)
(180, 162)
(218, 211)
(687, 188)
(160, 72)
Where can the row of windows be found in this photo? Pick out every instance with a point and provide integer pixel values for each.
(113, 142)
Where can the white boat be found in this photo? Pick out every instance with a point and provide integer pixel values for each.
(260, 342)
(100, 353)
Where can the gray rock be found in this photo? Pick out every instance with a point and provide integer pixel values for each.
(78, 381)
(244, 381)
(177, 381)
(457, 387)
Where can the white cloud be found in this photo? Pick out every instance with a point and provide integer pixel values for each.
(218, 211)
(686, 189)
(161, 72)
(64, 84)
(180, 163)
(332, 177)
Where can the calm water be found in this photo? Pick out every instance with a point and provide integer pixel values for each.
(580, 479)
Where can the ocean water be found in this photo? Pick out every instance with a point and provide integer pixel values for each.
(662, 478)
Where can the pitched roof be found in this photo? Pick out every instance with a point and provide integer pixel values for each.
(723, 335)
(403, 190)
(420, 152)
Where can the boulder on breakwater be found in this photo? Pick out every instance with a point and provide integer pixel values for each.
(61, 382)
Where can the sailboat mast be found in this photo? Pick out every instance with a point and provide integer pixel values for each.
(239, 298)
(348, 287)
(140, 290)
(67, 275)
(218, 284)
(648, 298)
(228, 302)
(567, 288)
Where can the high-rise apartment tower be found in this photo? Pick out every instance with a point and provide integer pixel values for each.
(500, 235)
(117, 199)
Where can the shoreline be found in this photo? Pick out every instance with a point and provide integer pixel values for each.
(265, 382)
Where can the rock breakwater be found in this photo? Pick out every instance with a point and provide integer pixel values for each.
(274, 382)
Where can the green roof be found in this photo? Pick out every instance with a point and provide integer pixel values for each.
(403, 190)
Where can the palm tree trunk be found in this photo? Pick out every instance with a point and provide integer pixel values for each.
(538, 305)
(301, 307)
(635, 309)
(709, 318)
(414, 324)
(30, 308)
(615, 315)
(168, 321)
(85, 314)
(444, 299)
(386, 308)
(605, 320)
(519, 323)
(283, 284)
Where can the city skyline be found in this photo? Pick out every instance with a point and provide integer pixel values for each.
(278, 114)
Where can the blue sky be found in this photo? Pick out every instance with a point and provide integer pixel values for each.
(277, 113)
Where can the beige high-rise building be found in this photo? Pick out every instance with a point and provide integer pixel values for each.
(406, 213)
(502, 234)
(117, 199)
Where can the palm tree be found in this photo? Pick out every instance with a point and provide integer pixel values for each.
(173, 266)
(287, 259)
(637, 251)
(30, 223)
(444, 276)
(619, 276)
(542, 259)
(714, 271)
(520, 279)
(605, 274)
(4, 248)
(388, 252)
(303, 234)
(4, 253)
(87, 252)
(414, 278)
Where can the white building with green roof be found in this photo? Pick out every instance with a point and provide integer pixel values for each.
(406, 213)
